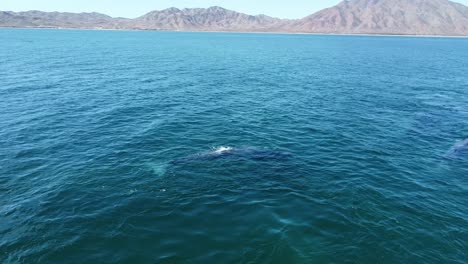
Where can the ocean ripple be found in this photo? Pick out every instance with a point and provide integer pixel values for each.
(160, 147)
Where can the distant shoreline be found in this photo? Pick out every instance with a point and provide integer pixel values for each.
(244, 32)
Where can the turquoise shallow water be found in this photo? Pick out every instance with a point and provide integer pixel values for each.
(159, 147)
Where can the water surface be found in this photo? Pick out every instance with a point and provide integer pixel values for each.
(160, 147)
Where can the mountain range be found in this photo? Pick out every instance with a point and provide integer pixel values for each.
(405, 17)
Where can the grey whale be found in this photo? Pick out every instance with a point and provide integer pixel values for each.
(459, 150)
(242, 153)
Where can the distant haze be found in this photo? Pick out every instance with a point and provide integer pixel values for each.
(135, 8)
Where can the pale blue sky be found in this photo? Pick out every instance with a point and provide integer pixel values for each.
(134, 8)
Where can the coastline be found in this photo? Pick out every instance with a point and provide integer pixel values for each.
(246, 32)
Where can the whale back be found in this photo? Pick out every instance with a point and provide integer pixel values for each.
(244, 153)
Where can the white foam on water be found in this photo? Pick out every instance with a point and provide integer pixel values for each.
(222, 149)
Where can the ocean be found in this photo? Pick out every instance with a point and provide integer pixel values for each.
(179, 147)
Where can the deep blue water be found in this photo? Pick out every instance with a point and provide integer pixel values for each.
(160, 147)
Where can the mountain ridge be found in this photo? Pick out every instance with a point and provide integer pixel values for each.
(395, 17)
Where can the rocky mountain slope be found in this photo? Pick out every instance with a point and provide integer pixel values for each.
(415, 17)
(210, 19)
(418, 17)
(38, 19)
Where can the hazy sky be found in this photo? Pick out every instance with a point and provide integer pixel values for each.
(134, 8)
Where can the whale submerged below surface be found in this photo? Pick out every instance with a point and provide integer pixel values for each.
(242, 153)
(459, 150)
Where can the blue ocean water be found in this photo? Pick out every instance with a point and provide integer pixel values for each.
(171, 147)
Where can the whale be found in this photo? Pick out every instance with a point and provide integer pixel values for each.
(459, 150)
(232, 153)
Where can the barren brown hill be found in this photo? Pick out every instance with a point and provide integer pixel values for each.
(206, 19)
(415, 17)
(406, 17)
(39, 19)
